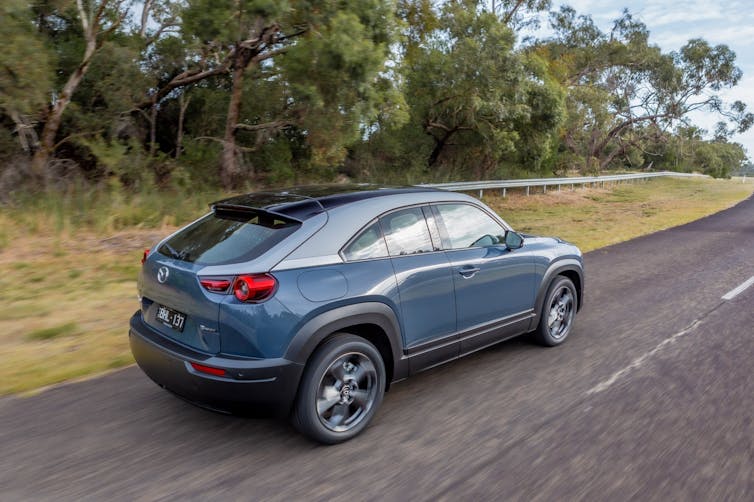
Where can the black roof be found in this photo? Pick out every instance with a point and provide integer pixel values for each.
(303, 202)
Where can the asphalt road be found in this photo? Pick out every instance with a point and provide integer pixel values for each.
(652, 397)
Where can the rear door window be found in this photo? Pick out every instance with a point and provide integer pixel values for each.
(368, 244)
(406, 232)
(228, 237)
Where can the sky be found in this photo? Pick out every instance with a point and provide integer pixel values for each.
(672, 23)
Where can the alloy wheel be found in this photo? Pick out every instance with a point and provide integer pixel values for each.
(561, 313)
(346, 391)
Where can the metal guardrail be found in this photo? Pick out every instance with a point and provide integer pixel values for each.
(481, 186)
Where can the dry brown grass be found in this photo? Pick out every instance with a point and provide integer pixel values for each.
(66, 304)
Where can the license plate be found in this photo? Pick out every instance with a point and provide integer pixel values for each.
(171, 318)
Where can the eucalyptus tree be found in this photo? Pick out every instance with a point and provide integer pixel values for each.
(97, 20)
(473, 94)
(26, 71)
(323, 57)
(618, 83)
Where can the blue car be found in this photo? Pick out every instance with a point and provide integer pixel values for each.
(311, 301)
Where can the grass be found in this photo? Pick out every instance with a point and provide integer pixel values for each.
(60, 330)
(101, 210)
(595, 218)
(65, 315)
(68, 265)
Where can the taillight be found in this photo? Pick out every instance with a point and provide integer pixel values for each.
(208, 369)
(254, 288)
(144, 256)
(215, 285)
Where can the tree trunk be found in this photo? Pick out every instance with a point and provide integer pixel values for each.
(153, 131)
(182, 106)
(588, 163)
(605, 161)
(27, 136)
(55, 114)
(230, 169)
(439, 146)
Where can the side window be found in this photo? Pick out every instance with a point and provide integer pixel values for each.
(368, 244)
(406, 232)
(468, 226)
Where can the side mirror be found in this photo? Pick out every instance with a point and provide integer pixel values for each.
(513, 240)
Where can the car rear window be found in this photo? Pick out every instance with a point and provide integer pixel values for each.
(228, 237)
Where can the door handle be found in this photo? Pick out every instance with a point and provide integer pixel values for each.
(468, 272)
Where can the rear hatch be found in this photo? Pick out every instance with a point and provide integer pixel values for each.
(174, 301)
(179, 307)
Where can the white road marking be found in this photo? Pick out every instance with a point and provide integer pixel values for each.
(639, 361)
(740, 289)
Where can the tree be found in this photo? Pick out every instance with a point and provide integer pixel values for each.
(98, 20)
(263, 91)
(478, 99)
(518, 14)
(25, 71)
(618, 83)
(333, 53)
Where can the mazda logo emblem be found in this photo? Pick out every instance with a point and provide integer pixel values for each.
(162, 274)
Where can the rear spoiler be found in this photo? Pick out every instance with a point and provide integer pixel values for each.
(294, 209)
(236, 211)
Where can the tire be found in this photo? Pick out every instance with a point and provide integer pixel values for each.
(340, 391)
(558, 313)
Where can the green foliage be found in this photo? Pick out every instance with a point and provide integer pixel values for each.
(25, 61)
(114, 82)
(197, 160)
(623, 90)
(399, 91)
(226, 21)
(306, 70)
(476, 104)
(277, 158)
(125, 162)
(329, 73)
(686, 150)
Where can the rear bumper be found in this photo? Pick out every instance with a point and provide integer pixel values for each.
(258, 385)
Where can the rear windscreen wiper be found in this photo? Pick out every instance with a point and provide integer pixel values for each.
(173, 253)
